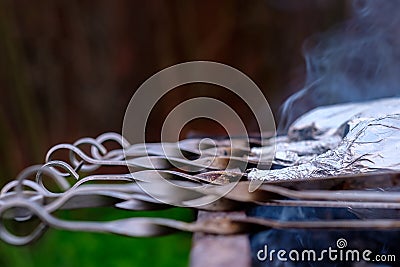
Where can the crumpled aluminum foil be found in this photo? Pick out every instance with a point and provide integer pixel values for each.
(356, 137)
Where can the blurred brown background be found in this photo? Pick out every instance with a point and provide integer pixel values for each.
(69, 68)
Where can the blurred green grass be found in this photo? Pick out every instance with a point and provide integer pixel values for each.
(64, 248)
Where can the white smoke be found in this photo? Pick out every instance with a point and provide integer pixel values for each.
(358, 60)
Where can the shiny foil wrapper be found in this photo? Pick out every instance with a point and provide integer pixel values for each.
(337, 140)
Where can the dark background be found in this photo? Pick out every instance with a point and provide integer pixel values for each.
(69, 68)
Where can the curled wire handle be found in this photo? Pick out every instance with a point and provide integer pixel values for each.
(9, 237)
(151, 162)
(34, 170)
(116, 154)
(112, 136)
(84, 156)
(106, 189)
(95, 145)
(7, 189)
(15, 240)
(70, 171)
(62, 182)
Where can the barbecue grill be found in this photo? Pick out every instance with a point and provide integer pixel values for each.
(328, 181)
